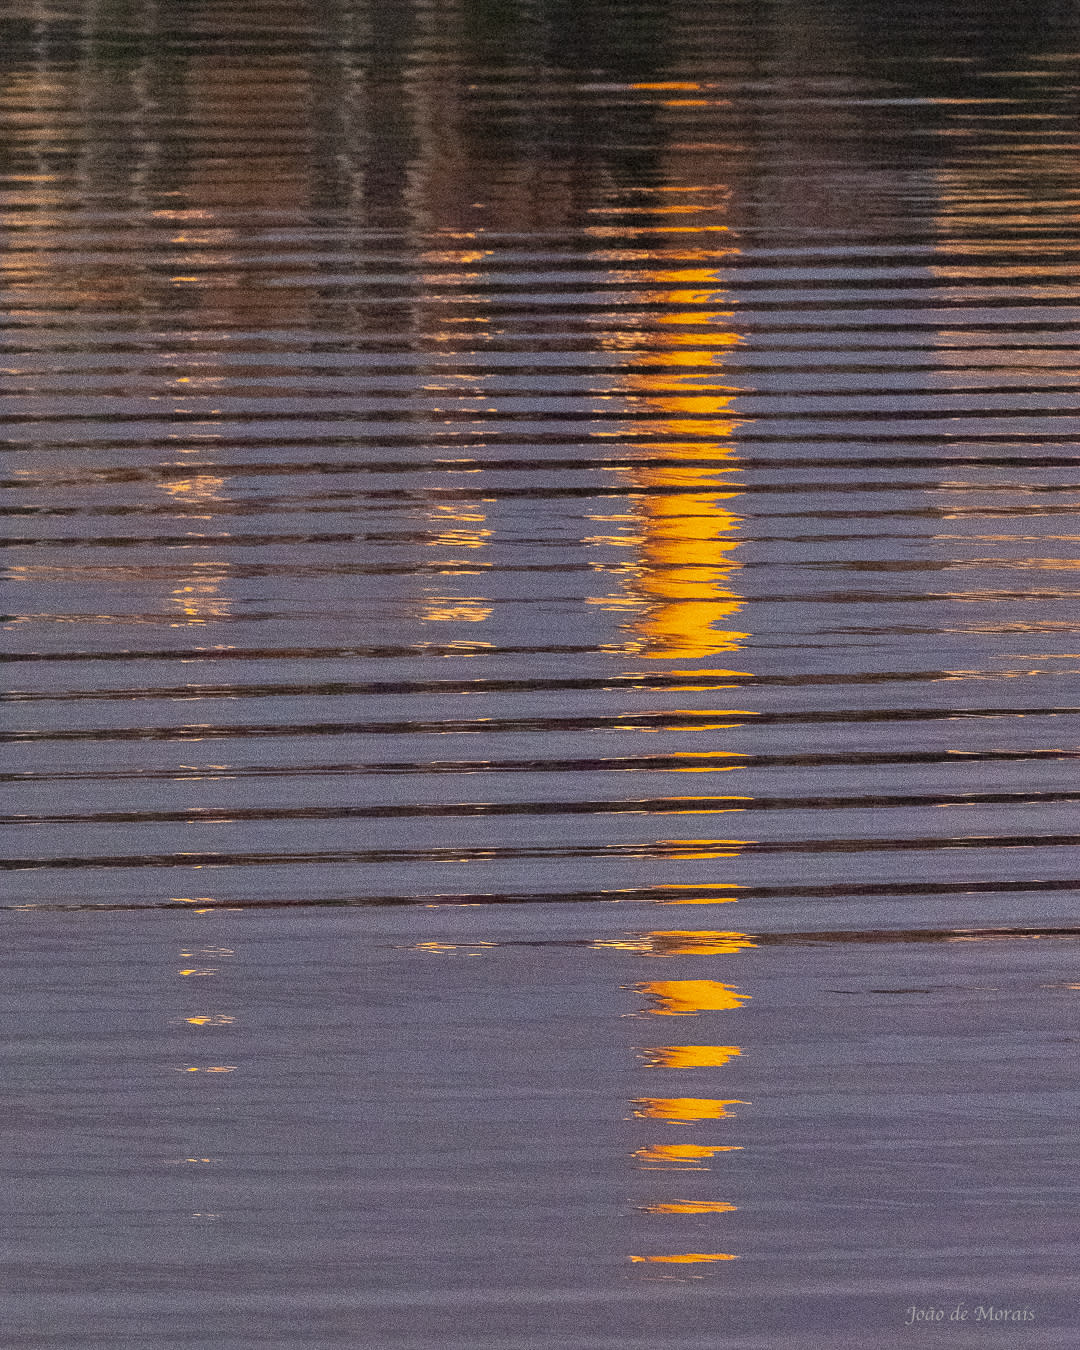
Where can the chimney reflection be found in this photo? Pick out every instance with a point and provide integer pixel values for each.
(686, 536)
(689, 998)
(202, 1029)
(679, 601)
(680, 604)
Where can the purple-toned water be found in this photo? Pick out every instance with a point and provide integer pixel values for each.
(541, 712)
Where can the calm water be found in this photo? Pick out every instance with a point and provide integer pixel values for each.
(540, 646)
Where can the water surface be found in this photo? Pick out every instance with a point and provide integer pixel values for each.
(540, 652)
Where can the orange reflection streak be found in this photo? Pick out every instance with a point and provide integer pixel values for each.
(681, 1157)
(704, 893)
(697, 899)
(682, 942)
(686, 807)
(685, 535)
(688, 1258)
(676, 943)
(690, 1207)
(198, 495)
(702, 849)
(689, 1056)
(682, 998)
(682, 1109)
(459, 532)
(200, 602)
(685, 525)
(686, 566)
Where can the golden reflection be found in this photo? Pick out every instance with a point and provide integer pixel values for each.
(455, 609)
(454, 258)
(689, 1056)
(456, 527)
(683, 806)
(684, 998)
(680, 599)
(459, 539)
(615, 601)
(686, 527)
(703, 893)
(681, 1157)
(200, 602)
(449, 948)
(192, 1024)
(711, 756)
(200, 489)
(688, 1258)
(680, 1110)
(690, 1207)
(199, 955)
(678, 943)
(693, 850)
(198, 599)
(685, 568)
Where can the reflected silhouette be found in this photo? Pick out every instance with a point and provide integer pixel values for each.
(684, 582)
(684, 535)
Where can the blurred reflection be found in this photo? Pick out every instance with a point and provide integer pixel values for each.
(687, 1258)
(689, 1056)
(686, 998)
(686, 526)
(232, 157)
(691, 1207)
(683, 434)
(203, 1031)
(703, 893)
(200, 602)
(683, 1109)
(679, 942)
(683, 531)
(681, 1157)
(686, 534)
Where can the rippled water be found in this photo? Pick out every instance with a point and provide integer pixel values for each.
(480, 479)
